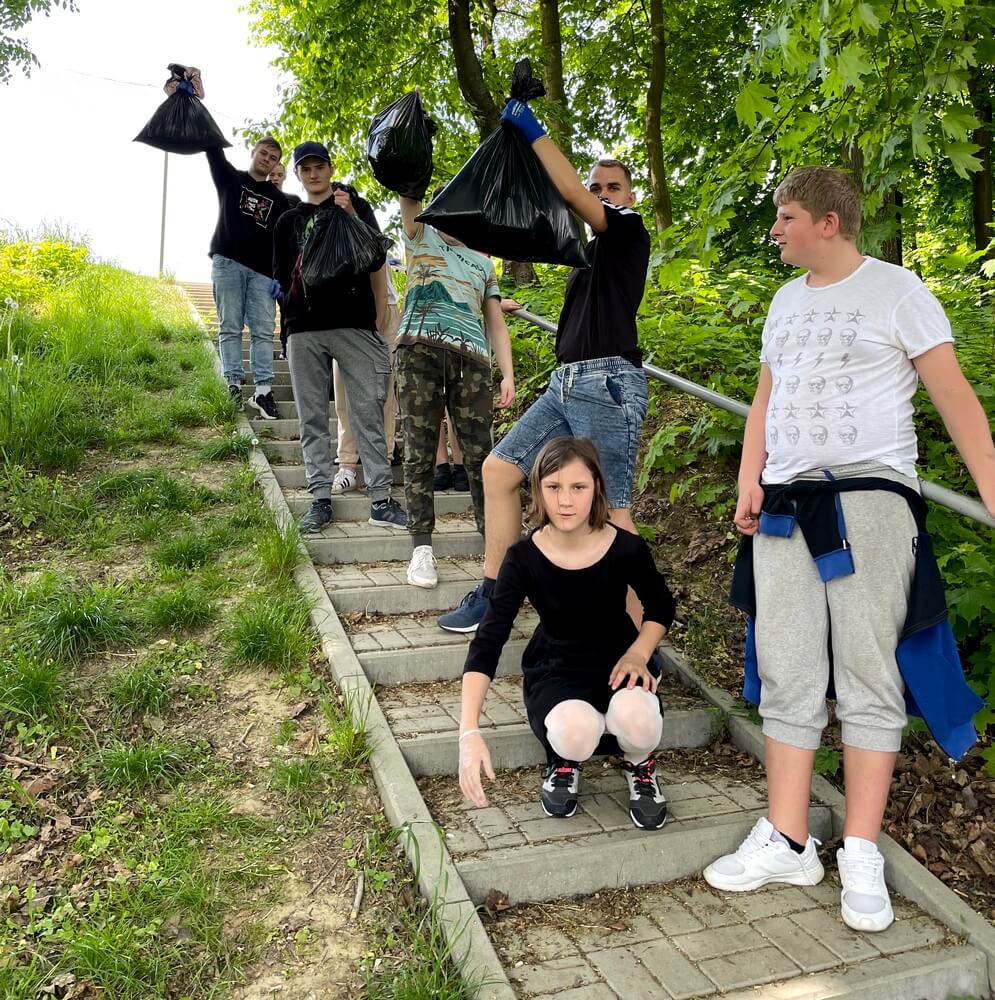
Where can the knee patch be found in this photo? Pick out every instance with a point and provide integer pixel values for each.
(635, 719)
(574, 728)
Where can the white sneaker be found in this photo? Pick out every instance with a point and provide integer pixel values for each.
(344, 481)
(765, 857)
(421, 569)
(864, 899)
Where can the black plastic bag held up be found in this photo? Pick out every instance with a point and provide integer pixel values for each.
(502, 201)
(181, 124)
(338, 245)
(399, 147)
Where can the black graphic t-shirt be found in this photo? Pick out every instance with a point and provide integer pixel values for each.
(338, 305)
(247, 214)
(598, 319)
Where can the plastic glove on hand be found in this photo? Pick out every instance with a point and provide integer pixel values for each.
(275, 291)
(519, 114)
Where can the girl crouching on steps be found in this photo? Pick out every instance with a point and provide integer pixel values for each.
(587, 680)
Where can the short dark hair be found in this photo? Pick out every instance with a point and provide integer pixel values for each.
(609, 162)
(558, 453)
(268, 140)
(820, 190)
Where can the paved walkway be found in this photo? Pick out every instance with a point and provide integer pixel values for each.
(572, 927)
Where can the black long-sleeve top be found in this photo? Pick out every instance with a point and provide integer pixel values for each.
(581, 611)
(247, 214)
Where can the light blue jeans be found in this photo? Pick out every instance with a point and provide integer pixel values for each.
(241, 297)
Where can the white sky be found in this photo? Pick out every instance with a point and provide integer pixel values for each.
(75, 163)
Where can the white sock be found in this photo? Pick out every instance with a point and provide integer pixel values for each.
(263, 390)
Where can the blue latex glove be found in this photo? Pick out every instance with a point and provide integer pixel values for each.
(520, 115)
(275, 291)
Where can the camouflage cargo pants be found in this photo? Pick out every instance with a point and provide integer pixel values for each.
(431, 380)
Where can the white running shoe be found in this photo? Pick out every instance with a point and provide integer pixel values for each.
(864, 899)
(344, 481)
(421, 569)
(765, 857)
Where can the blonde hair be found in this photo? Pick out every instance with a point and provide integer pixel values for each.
(820, 190)
(553, 457)
(268, 140)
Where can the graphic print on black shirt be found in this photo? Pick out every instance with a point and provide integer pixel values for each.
(598, 319)
(256, 206)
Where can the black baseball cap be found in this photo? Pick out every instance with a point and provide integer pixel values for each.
(306, 149)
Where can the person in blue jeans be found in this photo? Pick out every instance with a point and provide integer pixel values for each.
(599, 390)
(241, 265)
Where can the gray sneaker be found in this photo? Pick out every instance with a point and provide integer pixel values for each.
(316, 518)
(389, 514)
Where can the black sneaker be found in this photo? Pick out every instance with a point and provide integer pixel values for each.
(235, 391)
(443, 477)
(647, 806)
(266, 405)
(316, 518)
(389, 514)
(460, 483)
(558, 795)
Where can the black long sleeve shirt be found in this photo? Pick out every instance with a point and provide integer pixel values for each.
(247, 213)
(581, 611)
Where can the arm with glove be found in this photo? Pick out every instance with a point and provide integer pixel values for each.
(587, 205)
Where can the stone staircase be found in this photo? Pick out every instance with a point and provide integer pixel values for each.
(567, 927)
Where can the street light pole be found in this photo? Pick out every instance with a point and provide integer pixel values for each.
(162, 226)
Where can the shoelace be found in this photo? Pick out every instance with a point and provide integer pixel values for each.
(863, 871)
(470, 598)
(424, 560)
(643, 776)
(563, 777)
(755, 841)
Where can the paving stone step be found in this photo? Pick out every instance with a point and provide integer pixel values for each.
(352, 505)
(420, 636)
(419, 665)
(285, 451)
(688, 940)
(402, 599)
(281, 393)
(286, 428)
(350, 541)
(291, 475)
(351, 581)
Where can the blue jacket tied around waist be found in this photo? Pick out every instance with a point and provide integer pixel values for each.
(935, 688)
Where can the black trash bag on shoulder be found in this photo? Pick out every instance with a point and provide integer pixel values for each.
(399, 147)
(181, 124)
(337, 245)
(502, 201)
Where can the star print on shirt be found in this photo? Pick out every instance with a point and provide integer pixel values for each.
(818, 412)
(791, 411)
(791, 318)
(846, 410)
(810, 316)
(831, 316)
(774, 411)
(855, 317)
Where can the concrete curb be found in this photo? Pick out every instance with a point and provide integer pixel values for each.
(438, 878)
(904, 873)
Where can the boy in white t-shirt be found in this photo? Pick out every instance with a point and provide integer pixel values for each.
(843, 348)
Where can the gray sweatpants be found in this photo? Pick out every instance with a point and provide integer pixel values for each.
(365, 362)
(862, 615)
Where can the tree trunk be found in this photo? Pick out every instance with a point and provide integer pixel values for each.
(662, 208)
(891, 248)
(558, 117)
(468, 72)
(981, 180)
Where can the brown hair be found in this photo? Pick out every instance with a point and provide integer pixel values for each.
(268, 140)
(558, 453)
(820, 190)
(439, 188)
(608, 162)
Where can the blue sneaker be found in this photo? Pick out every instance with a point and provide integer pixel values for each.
(388, 514)
(469, 614)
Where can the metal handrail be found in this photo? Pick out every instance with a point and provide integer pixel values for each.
(956, 502)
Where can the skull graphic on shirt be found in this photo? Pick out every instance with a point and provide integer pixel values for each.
(818, 434)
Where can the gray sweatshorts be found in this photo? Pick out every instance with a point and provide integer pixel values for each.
(861, 615)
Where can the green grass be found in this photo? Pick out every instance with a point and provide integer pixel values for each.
(184, 607)
(68, 623)
(269, 630)
(187, 551)
(124, 766)
(234, 444)
(31, 690)
(278, 548)
(148, 491)
(145, 687)
(346, 735)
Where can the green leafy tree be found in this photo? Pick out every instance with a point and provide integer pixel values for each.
(14, 16)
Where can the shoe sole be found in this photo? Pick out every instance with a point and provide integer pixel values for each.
(462, 629)
(725, 883)
(424, 585)
(557, 815)
(644, 826)
(264, 414)
(871, 923)
(338, 493)
(387, 524)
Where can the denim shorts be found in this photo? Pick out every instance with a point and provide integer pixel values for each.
(604, 400)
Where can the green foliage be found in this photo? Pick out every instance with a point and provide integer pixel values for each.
(145, 687)
(828, 762)
(124, 766)
(234, 444)
(31, 689)
(187, 606)
(270, 629)
(278, 548)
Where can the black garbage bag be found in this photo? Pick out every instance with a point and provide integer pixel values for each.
(399, 147)
(502, 201)
(338, 245)
(181, 124)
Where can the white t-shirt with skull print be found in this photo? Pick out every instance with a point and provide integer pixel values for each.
(840, 359)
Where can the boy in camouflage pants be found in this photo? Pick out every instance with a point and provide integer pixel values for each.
(452, 319)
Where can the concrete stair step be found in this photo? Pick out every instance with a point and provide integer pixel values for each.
(286, 428)
(774, 944)
(513, 846)
(281, 393)
(425, 721)
(351, 541)
(420, 636)
(351, 582)
(291, 475)
(431, 663)
(285, 451)
(402, 599)
(352, 505)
